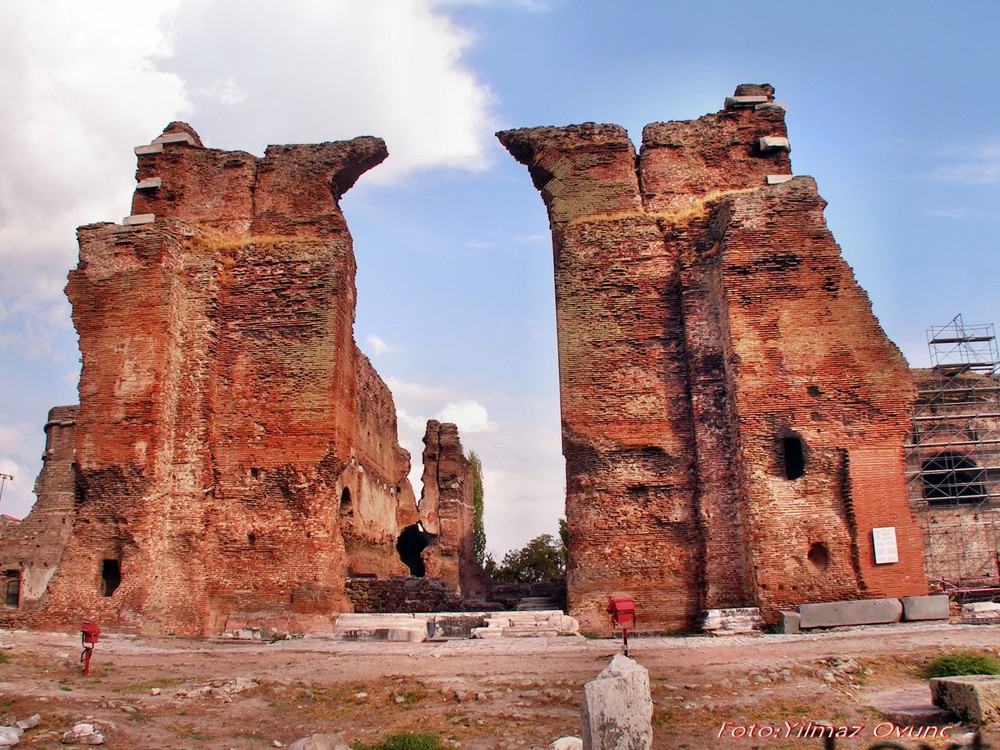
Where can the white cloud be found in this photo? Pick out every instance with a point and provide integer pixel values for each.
(19, 449)
(418, 396)
(953, 213)
(379, 346)
(80, 89)
(227, 92)
(530, 238)
(975, 165)
(85, 82)
(324, 70)
(469, 415)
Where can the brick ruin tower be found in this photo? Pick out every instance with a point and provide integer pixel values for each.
(733, 414)
(234, 452)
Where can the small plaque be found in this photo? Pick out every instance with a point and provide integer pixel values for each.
(884, 541)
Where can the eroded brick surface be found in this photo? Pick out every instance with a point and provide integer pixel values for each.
(234, 450)
(707, 323)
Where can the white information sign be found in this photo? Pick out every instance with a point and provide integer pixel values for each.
(884, 540)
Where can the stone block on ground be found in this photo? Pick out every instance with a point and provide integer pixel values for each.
(789, 622)
(860, 612)
(910, 707)
(566, 743)
(374, 627)
(320, 742)
(975, 698)
(981, 613)
(617, 708)
(733, 621)
(917, 608)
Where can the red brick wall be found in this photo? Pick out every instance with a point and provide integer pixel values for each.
(703, 316)
(224, 404)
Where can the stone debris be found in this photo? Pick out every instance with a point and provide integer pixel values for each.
(566, 743)
(320, 742)
(617, 708)
(975, 698)
(10, 736)
(223, 690)
(84, 733)
(981, 613)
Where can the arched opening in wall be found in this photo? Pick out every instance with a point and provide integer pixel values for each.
(410, 546)
(12, 594)
(951, 478)
(346, 504)
(793, 457)
(819, 556)
(111, 577)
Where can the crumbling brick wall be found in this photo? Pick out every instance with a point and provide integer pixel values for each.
(32, 549)
(235, 451)
(447, 510)
(707, 323)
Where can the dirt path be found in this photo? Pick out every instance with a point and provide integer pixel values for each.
(168, 693)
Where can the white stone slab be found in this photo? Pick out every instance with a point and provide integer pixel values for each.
(737, 102)
(135, 219)
(152, 148)
(772, 105)
(176, 138)
(774, 143)
(150, 183)
(858, 612)
(777, 179)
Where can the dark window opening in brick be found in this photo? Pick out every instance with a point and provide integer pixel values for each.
(819, 556)
(951, 478)
(346, 504)
(410, 545)
(793, 457)
(13, 589)
(111, 576)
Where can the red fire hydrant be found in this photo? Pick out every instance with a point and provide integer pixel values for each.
(88, 634)
(622, 613)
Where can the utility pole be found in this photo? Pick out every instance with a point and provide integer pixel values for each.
(4, 478)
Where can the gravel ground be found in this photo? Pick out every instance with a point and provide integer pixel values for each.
(767, 691)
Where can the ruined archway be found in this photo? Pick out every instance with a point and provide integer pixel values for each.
(410, 545)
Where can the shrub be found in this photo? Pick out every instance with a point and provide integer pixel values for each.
(404, 741)
(962, 663)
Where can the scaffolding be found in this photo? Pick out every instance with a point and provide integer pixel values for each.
(953, 459)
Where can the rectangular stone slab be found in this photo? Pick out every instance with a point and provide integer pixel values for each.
(975, 698)
(862, 612)
(933, 607)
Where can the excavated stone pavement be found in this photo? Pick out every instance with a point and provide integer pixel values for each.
(767, 691)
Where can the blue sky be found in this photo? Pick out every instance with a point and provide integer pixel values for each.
(892, 107)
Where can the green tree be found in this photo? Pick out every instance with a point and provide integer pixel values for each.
(478, 526)
(564, 538)
(539, 559)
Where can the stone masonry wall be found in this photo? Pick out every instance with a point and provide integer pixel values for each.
(34, 548)
(707, 322)
(226, 414)
(446, 510)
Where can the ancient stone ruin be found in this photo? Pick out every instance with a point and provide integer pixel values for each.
(733, 414)
(734, 417)
(234, 454)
